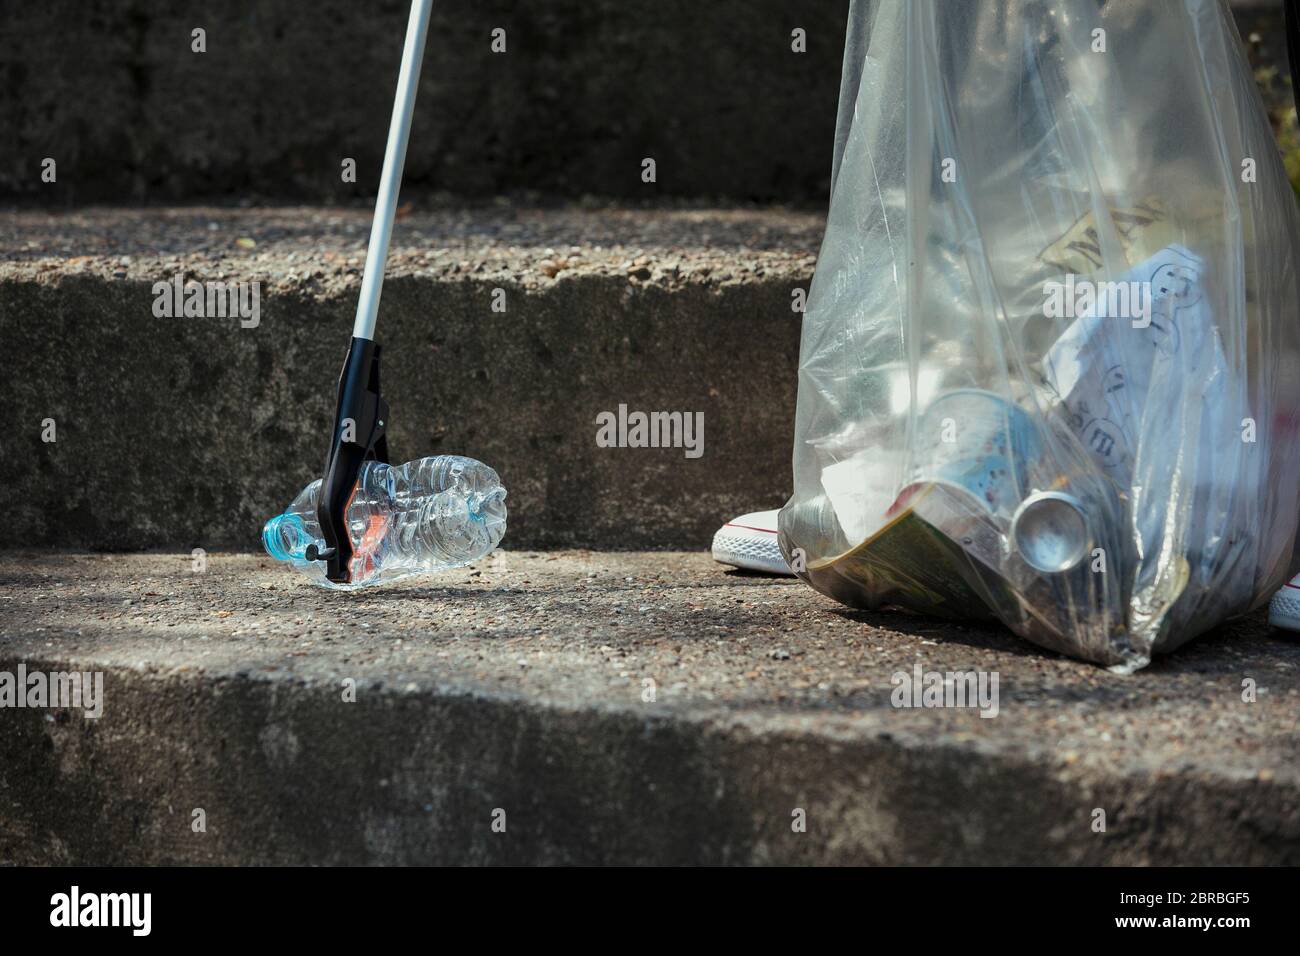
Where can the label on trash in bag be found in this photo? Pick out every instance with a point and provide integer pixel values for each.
(1137, 229)
(908, 562)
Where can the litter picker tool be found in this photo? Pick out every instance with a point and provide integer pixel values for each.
(361, 414)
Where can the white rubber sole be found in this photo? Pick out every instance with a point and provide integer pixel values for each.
(751, 548)
(1284, 609)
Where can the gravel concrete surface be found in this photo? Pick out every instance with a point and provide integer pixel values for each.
(1189, 771)
(321, 250)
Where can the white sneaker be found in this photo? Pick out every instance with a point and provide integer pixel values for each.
(750, 542)
(1284, 609)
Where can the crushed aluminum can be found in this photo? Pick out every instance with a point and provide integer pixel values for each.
(990, 453)
(980, 442)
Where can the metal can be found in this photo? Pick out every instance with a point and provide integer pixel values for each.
(1050, 532)
(990, 451)
(981, 442)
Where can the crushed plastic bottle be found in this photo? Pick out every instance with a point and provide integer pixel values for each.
(427, 515)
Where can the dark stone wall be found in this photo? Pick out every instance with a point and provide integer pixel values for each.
(585, 91)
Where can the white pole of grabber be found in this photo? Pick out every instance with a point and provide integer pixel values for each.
(390, 181)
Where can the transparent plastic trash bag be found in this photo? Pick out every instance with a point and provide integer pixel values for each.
(1049, 366)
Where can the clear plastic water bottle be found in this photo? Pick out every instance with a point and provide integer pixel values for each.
(427, 515)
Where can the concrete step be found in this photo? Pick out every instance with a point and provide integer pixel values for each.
(190, 432)
(586, 90)
(521, 686)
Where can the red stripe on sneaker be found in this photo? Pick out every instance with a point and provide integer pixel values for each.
(751, 528)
